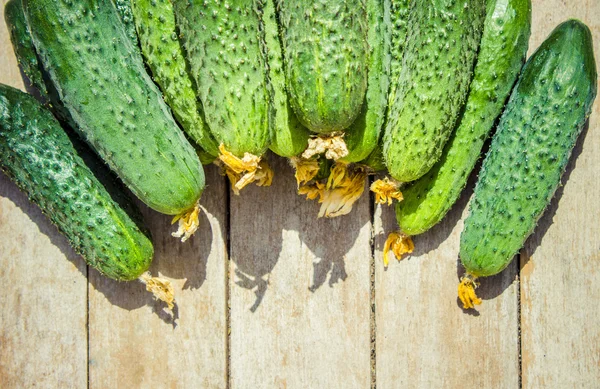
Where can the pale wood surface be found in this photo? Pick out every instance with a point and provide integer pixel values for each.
(560, 275)
(299, 291)
(43, 335)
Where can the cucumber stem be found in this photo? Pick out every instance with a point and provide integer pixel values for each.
(161, 288)
(398, 243)
(243, 171)
(466, 291)
(332, 145)
(386, 190)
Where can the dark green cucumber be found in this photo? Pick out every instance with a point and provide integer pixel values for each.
(326, 53)
(23, 46)
(398, 32)
(157, 32)
(530, 150)
(101, 80)
(40, 158)
(363, 135)
(501, 56)
(290, 137)
(375, 160)
(124, 8)
(224, 44)
(437, 68)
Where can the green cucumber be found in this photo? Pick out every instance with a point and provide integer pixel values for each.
(40, 158)
(224, 45)
(375, 161)
(363, 135)
(290, 137)
(326, 59)
(156, 29)
(529, 152)
(437, 69)
(23, 46)
(101, 80)
(124, 8)
(501, 56)
(398, 32)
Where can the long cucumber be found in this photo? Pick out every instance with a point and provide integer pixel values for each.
(101, 80)
(529, 152)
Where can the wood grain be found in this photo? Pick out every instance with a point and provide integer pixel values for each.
(560, 294)
(424, 339)
(134, 342)
(43, 336)
(299, 291)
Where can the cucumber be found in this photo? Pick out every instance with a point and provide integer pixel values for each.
(398, 32)
(501, 55)
(24, 48)
(363, 135)
(437, 68)
(40, 158)
(101, 80)
(156, 29)
(529, 152)
(223, 43)
(124, 8)
(290, 137)
(326, 60)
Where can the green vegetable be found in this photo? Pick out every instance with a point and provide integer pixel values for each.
(124, 8)
(398, 32)
(155, 24)
(536, 134)
(39, 156)
(326, 58)
(363, 135)
(442, 42)
(290, 137)
(101, 80)
(501, 56)
(23, 46)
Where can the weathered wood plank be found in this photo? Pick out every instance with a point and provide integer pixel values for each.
(424, 339)
(299, 291)
(560, 295)
(134, 343)
(43, 336)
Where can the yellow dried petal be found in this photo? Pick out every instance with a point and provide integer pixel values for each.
(312, 191)
(466, 291)
(243, 171)
(161, 289)
(399, 244)
(188, 223)
(386, 190)
(344, 188)
(305, 169)
(332, 145)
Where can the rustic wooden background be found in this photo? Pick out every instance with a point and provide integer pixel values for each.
(271, 297)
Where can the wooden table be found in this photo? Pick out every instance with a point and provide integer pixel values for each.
(269, 296)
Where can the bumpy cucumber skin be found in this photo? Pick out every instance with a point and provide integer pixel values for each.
(437, 69)
(23, 46)
(290, 137)
(124, 8)
(530, 150)
(39, 157)
(326, 54)
(224, 44)
(157, 33)
(398, 32)
(363, 135)
(102, 81)
(501, 56)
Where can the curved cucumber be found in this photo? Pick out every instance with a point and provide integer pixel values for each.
(101, 80)
(326, 54)
(39, 156)
(363, 135)
(155, 25)
(224, 46)
(436, 72)
(290, 137)
(501, 56)
(536, 134)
